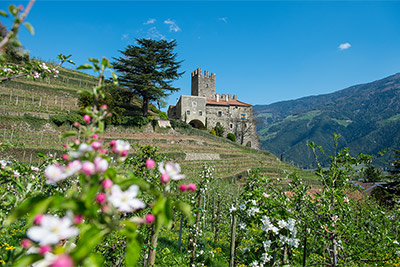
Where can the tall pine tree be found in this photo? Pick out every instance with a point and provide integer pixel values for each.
(148, 69)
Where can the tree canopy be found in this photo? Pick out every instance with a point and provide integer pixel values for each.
(148, 69)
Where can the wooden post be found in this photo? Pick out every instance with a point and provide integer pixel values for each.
(12, 133)
(55, 100)
(16, 101)
(180, 234)
(233, 239)
(23, 156)
(11, 96)
(199, 212)
(41, 138)
(61, 103)
(30, 160)
(217, 218)
(153, 246)
(24, 101)
(40, 102)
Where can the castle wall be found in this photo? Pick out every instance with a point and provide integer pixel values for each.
(203, 84)
(192, 108)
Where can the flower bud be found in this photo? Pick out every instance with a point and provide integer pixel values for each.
(103, 106)
(44, 249)
(95, 136)
(96, 145)
(183, 187)
(38, 219)
(100, 198)
(107, 183)
(164, 178)
(78, 219)
(124, 153)
(150, 164)
(64, 157)
(192, 187)
(26, 243)
(86, 118)
(150, 218)
(88, 168)
(64, 260)
(113, 142)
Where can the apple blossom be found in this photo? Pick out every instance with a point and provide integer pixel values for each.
(55, 173)
(107, 184)
(88, 168)
(120, 146)
(173, 170)
(150, 218)
(100, 164)
(86, 118)
(64, 260)
(126, 201)
(96, 145)
(44, 249)
(183, 187)
(192, 187)
(100, 198)
(51, 230)
(164, 178)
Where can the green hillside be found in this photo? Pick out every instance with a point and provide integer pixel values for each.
(27, 106)
(366, 116)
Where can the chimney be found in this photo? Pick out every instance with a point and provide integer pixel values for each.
(235, 97)
(226, 98)
(217, 98)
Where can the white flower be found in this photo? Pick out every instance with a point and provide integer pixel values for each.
(242, 225)
(232, 209)
(265, 257)
(126, 201)
(267, 244)
(242, 206)
(398, 253)
(51, 230)
(121, 146)
(254, 264)
(73, 167)
(396, 242)
(172, 170)
(55, 173)
(81, 150)
(282, 224)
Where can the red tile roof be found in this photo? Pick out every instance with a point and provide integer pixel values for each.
(226, 103)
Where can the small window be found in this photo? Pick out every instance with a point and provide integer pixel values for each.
(219, 113)
(188, 112)
(231, 125)
(206, 85)
(201, 113)
(194, 104)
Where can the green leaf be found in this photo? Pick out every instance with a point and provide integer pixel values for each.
(3, 13)
(68, 134)
(105, 62)
(28, 260)
(71, 62)
(13, 10)
(85, 67)
(94, 260)
(101, 126)
(29, 27)
(184, 208)
(94, 60)
(90, 237)
(132, 252)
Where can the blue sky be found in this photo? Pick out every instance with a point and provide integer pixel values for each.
(263, 51)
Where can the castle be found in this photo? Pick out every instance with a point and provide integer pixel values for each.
(204, 109)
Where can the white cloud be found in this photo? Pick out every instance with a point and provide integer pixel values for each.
(344, 46)
(225, 19)
(153, 33)
(150, 21)
(125, 36)
(172, 26)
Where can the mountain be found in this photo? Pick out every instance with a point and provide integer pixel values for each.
(367, 116)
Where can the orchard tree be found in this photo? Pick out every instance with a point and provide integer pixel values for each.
(148, 69)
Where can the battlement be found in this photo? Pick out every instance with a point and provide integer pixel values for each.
(199, 72)
(225, 97)
(203, 84)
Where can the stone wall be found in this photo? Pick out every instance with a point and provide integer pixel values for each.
(193, 108)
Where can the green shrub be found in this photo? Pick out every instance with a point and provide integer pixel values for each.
(66, 118)
(219, 130)
(163, 115)
(135, 121)
(212, 131)
(180, 124)
(231, 137)
(34, 122)
(58, 119)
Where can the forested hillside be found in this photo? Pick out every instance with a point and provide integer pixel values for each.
(366, 116)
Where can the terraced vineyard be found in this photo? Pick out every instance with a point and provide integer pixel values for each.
(27, 105)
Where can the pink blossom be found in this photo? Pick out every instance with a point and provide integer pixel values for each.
(55, 173)
(113, 142)
(76, 124)
(73, 167)
(64, 260)
(183, 187)
(164, 178)
(95, 136)
(44, 249)
(107, 183)
(78, 219)
(150, 218)
(100, 198)
(150, 164)
(192, 187)
(103, 106)
(64, 157)
(121, 147)
(38, 219)
(77, 141)
(20, 7)
(103, 151)
(26, 243)
(105, 208)
(65, 145)
(172, 169)
(100, 164)
(86, 118)
(96, 145)
(88, 168)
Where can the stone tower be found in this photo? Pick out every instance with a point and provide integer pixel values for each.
(203, 85)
